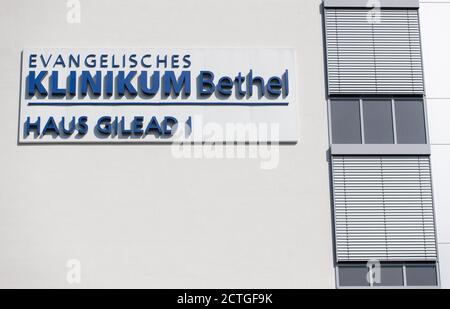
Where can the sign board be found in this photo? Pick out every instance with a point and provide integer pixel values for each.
(158, 95)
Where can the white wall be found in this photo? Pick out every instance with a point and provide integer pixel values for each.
(135, 216)
(435, 27)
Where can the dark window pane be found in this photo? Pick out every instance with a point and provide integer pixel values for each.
(421, 275)
(346, 123)
(353, 276)
(410, 121)
(377, 117)
(390, 276)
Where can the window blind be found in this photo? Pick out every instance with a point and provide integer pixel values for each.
(383, 208)
(373, 52)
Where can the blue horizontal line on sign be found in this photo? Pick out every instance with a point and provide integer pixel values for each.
(156, 104)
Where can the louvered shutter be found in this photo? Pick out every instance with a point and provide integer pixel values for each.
(383, 208)
(367, 57)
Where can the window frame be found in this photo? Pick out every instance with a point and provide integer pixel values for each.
(379, 149)
(425, 121)
(363, 122)
(387, 264)
(421, 265)
(361, 129)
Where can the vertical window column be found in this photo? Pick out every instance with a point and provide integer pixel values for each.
(381, 176)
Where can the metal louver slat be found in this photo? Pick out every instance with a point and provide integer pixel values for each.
(383, 208)
(373, 57)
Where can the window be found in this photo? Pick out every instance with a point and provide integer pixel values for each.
(353, 275)
(372, 121)
(390, 275)
(402, 274)
(421, 275)
(383, 208)
(378, 127)
(410, 121)
(346, 122)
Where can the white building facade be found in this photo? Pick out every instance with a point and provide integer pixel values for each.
(354, 195)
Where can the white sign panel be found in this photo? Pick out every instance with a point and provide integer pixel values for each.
(158, 95)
